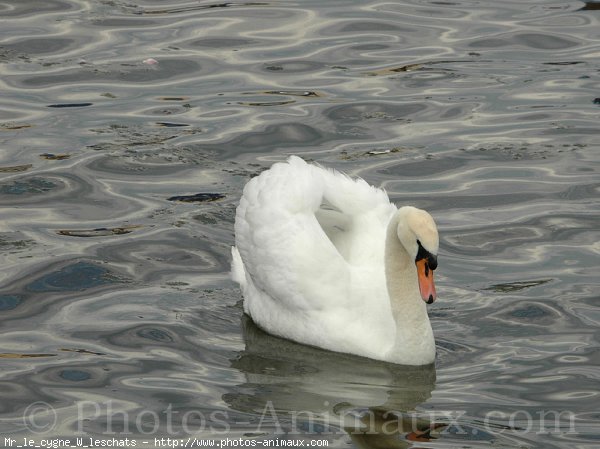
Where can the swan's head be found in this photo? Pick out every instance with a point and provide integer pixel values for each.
(418, 234)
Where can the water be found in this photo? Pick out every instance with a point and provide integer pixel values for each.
(118, 317)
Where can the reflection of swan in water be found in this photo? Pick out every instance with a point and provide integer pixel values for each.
(309, 390)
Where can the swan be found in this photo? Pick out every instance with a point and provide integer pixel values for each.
(326, 260)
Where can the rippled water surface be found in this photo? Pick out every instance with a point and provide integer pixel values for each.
(117, 315)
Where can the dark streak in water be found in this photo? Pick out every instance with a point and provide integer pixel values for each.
(55, 157)
(81, 351)
(516, 286)
(266, 103)
(15, 168)
(13, 126)
(404, 68)
(198, 197)
(8, 355)
(200, 7)
(171, 125)
(294, 93)
(69, 105)
(98, 232)
(563, 63)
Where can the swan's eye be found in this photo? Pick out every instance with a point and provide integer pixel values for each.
(424, 254)
(432, 261)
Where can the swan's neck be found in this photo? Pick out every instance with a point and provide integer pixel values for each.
(413, 330)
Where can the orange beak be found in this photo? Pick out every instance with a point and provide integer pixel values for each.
(426, 285)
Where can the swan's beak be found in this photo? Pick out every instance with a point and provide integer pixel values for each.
(426, 285)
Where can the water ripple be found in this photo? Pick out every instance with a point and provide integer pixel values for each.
(113, 295)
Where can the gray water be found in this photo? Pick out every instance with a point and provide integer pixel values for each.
(118, 319)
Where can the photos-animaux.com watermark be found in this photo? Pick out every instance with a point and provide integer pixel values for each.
(41, 418)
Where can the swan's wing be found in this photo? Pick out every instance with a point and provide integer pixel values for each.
(281, 244)
(298, 231)
(354, 215)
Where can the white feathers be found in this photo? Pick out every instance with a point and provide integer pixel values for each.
(237, 267)
(310, 260)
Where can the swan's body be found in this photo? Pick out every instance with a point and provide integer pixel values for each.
(328, 261)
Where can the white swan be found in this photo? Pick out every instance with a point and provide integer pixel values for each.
(326, 260)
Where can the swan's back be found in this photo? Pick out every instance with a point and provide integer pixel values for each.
(306, 238)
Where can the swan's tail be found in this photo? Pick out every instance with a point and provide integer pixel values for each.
(238, 273)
